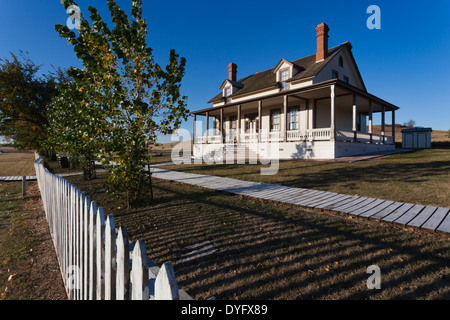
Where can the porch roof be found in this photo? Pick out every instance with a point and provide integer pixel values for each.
(319, 91)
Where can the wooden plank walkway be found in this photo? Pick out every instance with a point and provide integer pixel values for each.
(17, 178)
(430, 218)
(31, 178)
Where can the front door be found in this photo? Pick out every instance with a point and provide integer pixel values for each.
(251, 123)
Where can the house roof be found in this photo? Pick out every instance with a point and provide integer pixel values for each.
(307, 67)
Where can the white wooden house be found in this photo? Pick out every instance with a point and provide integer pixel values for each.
(313, 107)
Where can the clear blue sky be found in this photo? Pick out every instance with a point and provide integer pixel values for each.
(406, 62)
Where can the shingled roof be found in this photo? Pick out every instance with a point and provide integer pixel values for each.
(267, 79)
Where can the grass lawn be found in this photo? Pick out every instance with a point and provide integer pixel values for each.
(266, 250)
(29, 269)
(15, 243)
(421, 177)
(16, 163)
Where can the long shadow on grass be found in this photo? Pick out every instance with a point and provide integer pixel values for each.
(377, 172)
(248, 262)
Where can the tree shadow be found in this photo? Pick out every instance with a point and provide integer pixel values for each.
(275, 251)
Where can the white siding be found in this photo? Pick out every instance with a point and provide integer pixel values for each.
(349, 69)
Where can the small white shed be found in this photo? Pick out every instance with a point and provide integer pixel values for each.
(416, 138)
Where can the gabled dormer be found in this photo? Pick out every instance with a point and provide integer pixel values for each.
(229, 87)
(285, 70)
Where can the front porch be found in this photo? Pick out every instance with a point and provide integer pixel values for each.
(320, 134)
(331, 114)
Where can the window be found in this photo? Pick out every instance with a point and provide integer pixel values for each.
(227, 92)
(293, 119)
(275, 120)
(346, 79)
(341, 62)
(284, 76)
(334, 74)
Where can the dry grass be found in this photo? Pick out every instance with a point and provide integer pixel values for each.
(421, 177)
(267, 250)
(29, 269)
(16, 164)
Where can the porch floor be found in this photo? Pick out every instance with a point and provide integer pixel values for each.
(429, 218)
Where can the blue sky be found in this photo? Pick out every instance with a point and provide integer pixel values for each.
(406, 62)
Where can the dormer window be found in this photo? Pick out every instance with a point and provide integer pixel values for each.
(285, 70)
(229, 87)
(284, 76)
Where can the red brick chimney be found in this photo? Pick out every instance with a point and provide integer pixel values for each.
(322, 41)
(232, 71)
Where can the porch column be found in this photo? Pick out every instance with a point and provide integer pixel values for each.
(393, 126)
(207, 126)
(238, 125)
(314, 115)
(355, 112)
(259, 120)
(285, 104)
(370, 119)
(333, 113)
(221, 126)
(194, 129)
(308, 116)
(383, 128)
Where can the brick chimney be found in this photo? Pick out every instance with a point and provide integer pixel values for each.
(232, 71)
(322, 41)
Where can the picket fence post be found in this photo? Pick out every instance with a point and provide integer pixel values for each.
(139, 272)
(123, 265)
(93, 251)
(110, 259)
(100, 235)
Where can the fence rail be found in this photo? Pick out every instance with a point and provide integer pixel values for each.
(96, 259)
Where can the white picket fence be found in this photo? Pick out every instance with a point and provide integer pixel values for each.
(97, 261)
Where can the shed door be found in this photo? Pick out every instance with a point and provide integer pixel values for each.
(421, 140)
(408, 141)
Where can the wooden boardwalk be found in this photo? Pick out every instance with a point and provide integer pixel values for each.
(31, 178)
(430, 218)
(17, 178)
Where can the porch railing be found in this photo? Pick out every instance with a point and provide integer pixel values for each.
(342, 135)
(320, 134)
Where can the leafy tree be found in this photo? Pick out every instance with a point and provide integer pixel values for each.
(24, 101)
(68, 132)
(127, 96)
